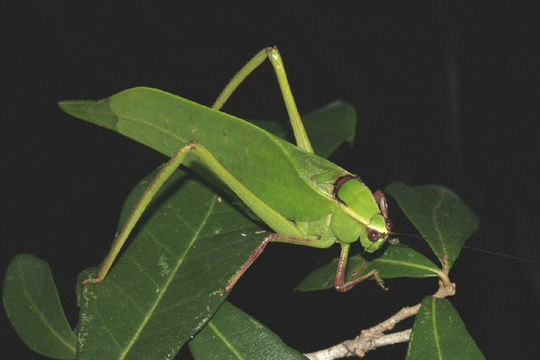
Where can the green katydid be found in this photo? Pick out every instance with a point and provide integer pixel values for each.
(305, 199)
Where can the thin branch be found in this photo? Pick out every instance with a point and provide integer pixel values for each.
(374, 337)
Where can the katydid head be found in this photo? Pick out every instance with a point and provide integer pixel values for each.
(365, 214)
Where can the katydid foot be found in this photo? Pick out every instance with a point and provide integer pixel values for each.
(95, 280)
(340, 284)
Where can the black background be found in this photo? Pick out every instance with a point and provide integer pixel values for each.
(445, 95)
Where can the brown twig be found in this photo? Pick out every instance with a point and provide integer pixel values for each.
(374, 337)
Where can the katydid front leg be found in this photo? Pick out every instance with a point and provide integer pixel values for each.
(340, 284)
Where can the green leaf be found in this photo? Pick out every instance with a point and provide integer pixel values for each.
(440, 216)
(233, 334)
(330, 126)
(167, 284)
(34, 309)
(396, 261)
(439, 333)
(327, 127)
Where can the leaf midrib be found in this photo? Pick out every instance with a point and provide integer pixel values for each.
(40, 314)
(169, 280)
(404, 263)
(435, 330)
(436, 224)
(225, 341)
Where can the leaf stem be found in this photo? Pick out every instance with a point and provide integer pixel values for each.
(375, 337)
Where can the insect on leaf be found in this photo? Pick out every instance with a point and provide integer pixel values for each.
(188, 244)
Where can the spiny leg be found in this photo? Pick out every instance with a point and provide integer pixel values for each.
(340, 284)
(271, 217)
(274, 238)
(273, 55)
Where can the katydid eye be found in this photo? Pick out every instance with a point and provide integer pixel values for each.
(373, 235)
(389, 225)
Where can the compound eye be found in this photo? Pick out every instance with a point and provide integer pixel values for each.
(373, 235)
(389, 225)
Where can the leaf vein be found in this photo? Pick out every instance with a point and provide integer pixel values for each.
(134, 261)
(162, 245)
(436, 224)
(168, 282)
(40, 314)
(225, 341)
(435, 331)
(404, 263)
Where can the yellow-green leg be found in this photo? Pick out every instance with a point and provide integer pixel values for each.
(272, 218)
(272, 53)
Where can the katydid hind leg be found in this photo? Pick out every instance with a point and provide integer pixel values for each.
(340, 284)
(166, 171)
(275, 59)
(267, 214)
(273, 238)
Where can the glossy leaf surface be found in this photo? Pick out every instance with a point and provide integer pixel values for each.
(440, 216)
(233, 334)
(439, 333)
(34, 309)
(167, 284)
(395, 261)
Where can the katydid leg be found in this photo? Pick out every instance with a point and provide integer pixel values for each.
(319, 243)
(267, 214)
(274, 57)
(340, 284)
(165, 172)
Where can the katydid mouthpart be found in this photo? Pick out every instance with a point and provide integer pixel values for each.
(305, 199)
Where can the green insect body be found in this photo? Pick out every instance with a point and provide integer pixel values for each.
(304, 198)
(360, 212)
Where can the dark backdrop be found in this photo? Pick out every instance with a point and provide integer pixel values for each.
(445, 95)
